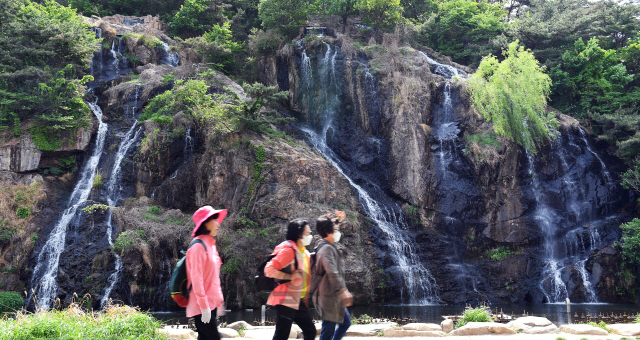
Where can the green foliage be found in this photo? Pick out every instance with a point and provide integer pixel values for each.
(67, 162)
(251, 117)
(498, 254)
(630, 240)
(463, 28)
(285, 16)
(218, 47)
(23, 212)
(591, 79)
(97, 181)
(631, 177)
(128, 239)
(10, 302)
(154, 210)
(263, 43)
(233, 266)
(196, 16)
(512, 94)
(483, 140)
(44, 49)
(90, 209)
(112, 323)
(383, 14)
(478, 314)
(6, 232)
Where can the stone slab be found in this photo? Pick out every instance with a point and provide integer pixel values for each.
(399, 332)
(178, 333)
(368, 330)
(630, 329)
(422, 327)
(227, 333)
(480, 328)
(262, 334)
(533, 325)
(240, 324)
(583, 330)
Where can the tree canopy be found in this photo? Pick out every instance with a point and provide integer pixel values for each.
(512, 94)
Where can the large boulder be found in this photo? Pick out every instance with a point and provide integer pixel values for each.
(178, 333)
(368, 330)
(583, 330)
(447, 325)
(240, 324)
(533, 325)
(630, 329)
(422, 327)
(226, 333)
(483, 328)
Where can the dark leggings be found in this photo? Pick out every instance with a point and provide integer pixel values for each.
(286, 316)
(207, 331)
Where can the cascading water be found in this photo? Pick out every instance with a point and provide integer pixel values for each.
(569, 234)
(324, 89)
(454, 190)
(186, 154)
(114, 189)
(169, 58)
(44, 277)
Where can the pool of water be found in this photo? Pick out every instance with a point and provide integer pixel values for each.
(556, 313)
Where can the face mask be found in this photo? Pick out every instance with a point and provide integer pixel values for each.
(336, 236)
(306, 240)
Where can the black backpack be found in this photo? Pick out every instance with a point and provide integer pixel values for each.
(267, 284)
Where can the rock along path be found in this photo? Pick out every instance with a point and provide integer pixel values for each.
(507, 337)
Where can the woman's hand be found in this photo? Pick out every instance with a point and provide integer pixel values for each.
(341, 215)
(206, 315)
(347, 298)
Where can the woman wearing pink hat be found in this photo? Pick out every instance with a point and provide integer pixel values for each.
(203, 273)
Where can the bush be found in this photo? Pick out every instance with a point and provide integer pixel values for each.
(499, 253)
(97, 181)
(478, 314)
(10, 302)
(631, 240)
(74, 324)
(154, 210)
(601, 324)
(127, 239)
(263, 43)
(23, 212)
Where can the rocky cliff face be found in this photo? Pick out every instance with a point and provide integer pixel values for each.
(465, 200)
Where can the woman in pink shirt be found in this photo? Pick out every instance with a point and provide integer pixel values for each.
(203, 273)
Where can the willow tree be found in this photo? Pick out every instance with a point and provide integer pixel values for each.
(513, 95)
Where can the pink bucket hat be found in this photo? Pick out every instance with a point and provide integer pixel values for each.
(205, 212)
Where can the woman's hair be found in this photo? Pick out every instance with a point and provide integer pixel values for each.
(324, 226)
(295, 229)
(202, 230)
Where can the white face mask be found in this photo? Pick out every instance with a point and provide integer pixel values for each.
(306, 240)
(336, 236)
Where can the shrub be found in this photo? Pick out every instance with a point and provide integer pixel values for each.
(154, 210)
(127, 239)
(23, 212)
(97, 181)
(74, 324)
(601, 324)
(499, 253)
(10, 302)
(478, 314)
(233, 266)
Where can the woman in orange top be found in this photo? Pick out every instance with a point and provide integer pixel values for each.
(291, 299)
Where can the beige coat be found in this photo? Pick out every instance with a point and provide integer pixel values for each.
(327, 297)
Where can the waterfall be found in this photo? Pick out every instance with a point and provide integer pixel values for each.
(169, 58)
(446, 71)
(44, 277)
(570, 234)
(418, 285)
(114, 55)
(186, 153)
(113, 190)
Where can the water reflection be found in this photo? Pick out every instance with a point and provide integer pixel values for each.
(556, 313)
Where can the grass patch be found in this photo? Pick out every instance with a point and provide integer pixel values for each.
(127, 239)
(601, 324)
(478, 314)
(498, 254)
(97, 181)
(154, 210)
(74, 323)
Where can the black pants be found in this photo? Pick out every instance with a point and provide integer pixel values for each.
(207, 331)
(286, 316)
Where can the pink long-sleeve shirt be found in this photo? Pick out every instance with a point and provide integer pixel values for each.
(203, 273)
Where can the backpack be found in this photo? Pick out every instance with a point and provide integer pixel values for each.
(267, 284)
(315, 278)
(178, 283)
